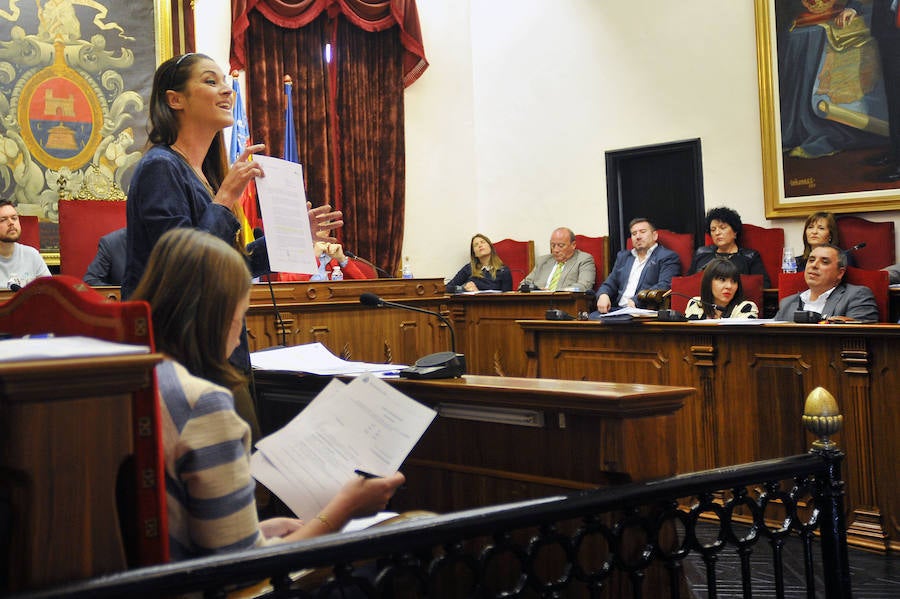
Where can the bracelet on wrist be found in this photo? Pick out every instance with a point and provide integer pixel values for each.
(321, 518)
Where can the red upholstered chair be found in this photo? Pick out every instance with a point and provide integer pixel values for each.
(81, 225)
(518, 256)
(31, 231)
(878, 282)
(790, 283)
(683, 289)
(878, 237)
(680, 243)
(769, 243)
(65, 305)
(366, 268)
(598, 247)
(690, 286)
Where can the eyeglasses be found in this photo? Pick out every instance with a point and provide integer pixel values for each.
(173, 70)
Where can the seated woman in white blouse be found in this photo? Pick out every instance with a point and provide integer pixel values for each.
(721, 294)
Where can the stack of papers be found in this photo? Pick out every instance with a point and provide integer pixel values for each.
(49, 347)
(624, 315)
(366, 425)
(314, 358)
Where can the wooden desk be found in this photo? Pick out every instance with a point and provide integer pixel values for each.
(486, 330)
(330, 312)
(65, 431)
(503, 439)
(752, 382)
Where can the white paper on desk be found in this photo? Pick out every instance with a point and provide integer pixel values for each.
(282, 201)
(314, 358)
(45, 348)
(366, 424)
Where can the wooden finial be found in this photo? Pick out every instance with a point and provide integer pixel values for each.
(288, 80)
(234, 74)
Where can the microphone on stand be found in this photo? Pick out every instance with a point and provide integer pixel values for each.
(377, 268)
(858, 246)
(440, 365)
(257, 233)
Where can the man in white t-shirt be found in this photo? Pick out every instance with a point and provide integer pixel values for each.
(19, 264)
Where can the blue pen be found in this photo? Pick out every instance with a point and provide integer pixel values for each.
(365, 474)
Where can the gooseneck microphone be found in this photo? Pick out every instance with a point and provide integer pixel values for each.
(858, 246)
(433, 366)
(377, 268)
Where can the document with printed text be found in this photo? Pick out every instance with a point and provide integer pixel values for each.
(282, 201)
(365, 424)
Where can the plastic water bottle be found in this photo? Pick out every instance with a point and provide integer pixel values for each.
(406, 273)
(336, 273)
(788, 264)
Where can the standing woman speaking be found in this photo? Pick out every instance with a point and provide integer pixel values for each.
(184, 179)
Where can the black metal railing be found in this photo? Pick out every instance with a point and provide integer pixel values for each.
(629, 541)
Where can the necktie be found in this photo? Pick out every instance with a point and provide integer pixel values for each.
(554, 280)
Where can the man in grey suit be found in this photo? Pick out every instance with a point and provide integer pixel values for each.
(826, 295)
(647, 266)
(565, 267)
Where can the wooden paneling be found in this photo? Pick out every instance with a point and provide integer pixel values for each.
(752, 382)
(330, 313)
(500, 439)
(487, 333)
(66, 429)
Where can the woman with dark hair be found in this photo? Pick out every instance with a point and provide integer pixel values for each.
(485, 270)
(721, 294)
(183, 179)
(198, 289)
(820, 229)
(724, 226)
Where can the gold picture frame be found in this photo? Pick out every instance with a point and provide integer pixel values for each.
(859, 191)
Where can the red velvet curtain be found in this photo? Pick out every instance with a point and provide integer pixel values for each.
(350, 111)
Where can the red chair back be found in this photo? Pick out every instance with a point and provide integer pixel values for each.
(769, 243)
(876, 280)
(365, 268)
(790, 283)
(683, 289)
(598, 247)
(81, 225)
(878, 237)
(518, 256)
(680, 243)
(65, 305)
(31, 231)
(690, 286)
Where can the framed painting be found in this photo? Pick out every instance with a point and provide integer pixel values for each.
(75, 80)
(826, 142)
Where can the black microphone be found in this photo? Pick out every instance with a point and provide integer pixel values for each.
(377, 268)
(433, 366)
(13, 286)
(858, 246)
(257, 233)
(802, 316)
